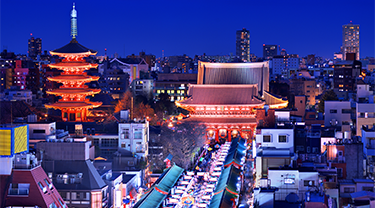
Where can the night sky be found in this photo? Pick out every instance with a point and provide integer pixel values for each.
(188, 27)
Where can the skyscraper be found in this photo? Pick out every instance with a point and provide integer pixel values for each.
(350, 40)
(243, 45)
(270, 51)
(35, 47)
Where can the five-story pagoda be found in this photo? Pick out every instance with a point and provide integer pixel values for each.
(73, 91)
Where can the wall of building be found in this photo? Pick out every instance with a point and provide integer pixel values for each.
(333, 111)
(365, 115)
(354, 160)
(289, 181)
(134, 137)
(41, 130)
(275, 133)
(64, 150)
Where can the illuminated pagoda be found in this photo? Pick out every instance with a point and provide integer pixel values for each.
(73, 92)
(226, 97)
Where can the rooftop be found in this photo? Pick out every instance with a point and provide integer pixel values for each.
(223, 95)
(73, 47)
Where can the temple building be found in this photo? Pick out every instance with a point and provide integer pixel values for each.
(226, 97)
(73, 91)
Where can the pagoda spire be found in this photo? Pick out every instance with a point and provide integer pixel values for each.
(73, 22)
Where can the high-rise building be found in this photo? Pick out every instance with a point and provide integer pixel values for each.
(35, 47)
(243, 45)
(270, 51)
(345, 74)
(350, 40)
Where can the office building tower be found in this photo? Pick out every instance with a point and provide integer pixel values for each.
(350, 40)
(35, 47)
(270, 51)
(243, 45)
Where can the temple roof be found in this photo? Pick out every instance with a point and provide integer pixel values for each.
(59, 105)
(82, 78)
(222, 95)
(73, 91)
(221, 120)
(73, 65)
(73, 47)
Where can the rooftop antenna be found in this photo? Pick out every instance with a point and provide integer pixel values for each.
(73, 22)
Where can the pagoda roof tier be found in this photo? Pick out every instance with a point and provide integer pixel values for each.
(61, 105)
(224, 121)
(76, 65)
(75, 78)
(71, 91)
(73, 47)
(217, 94)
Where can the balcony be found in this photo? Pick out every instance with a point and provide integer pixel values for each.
(18, 192)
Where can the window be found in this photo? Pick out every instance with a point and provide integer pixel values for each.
(53, 205)
(308, 183)
(266, 138)
(339, 173)
(125, 133)
(48, 184)
(109, 142)
(74, 196)
(348, 189)
(19, 189)
(43, 188)
(61, 203)
(333, 111)
(368, 188)
(346, 111)
(137, 133)
(282, 138)
(39, 131)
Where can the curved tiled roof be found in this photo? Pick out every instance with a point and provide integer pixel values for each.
(74, 91)
(82, 78)
(73, 105)
(73, 47)
(223, 95)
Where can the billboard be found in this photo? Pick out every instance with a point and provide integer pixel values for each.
(13, 140)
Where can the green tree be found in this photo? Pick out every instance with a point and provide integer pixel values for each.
(328, 96)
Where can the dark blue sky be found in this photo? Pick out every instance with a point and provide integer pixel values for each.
(188, 27)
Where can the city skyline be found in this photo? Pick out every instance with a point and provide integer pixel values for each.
(191, 28)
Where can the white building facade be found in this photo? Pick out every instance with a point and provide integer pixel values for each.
(134, 137)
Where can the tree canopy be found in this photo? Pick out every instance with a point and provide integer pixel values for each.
(328, 96)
